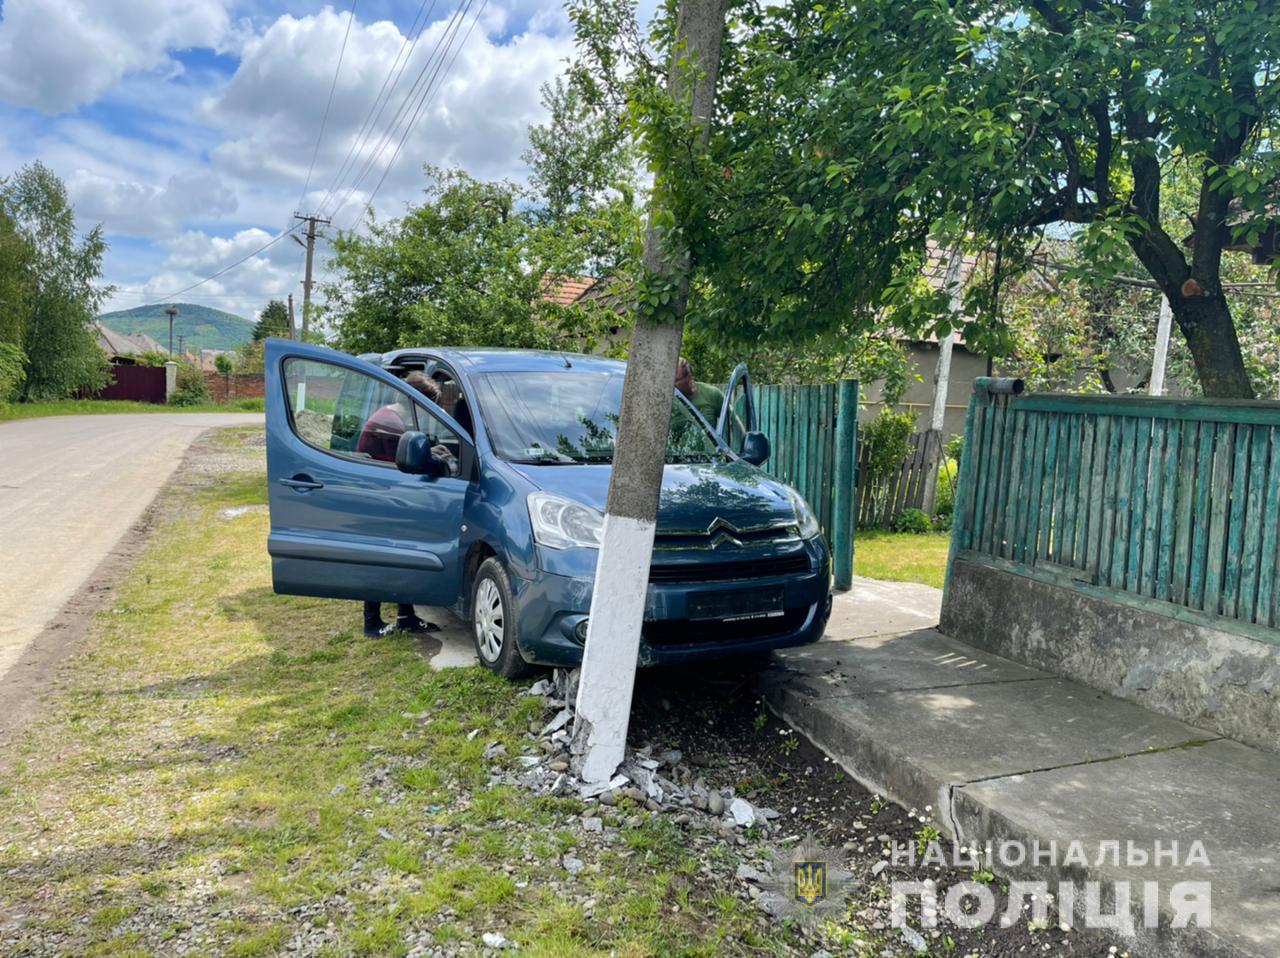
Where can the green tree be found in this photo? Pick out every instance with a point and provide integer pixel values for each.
(466, 267)
(61, 352)
(15, 287)
(997, 121)
(274, 321)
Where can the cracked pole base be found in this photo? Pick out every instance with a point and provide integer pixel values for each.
(617, 611)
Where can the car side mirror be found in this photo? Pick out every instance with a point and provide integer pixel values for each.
(755, 448)
(414, 456)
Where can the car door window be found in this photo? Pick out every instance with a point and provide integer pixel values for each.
(346, 412)
(445, 443)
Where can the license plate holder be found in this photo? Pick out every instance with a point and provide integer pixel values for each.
(736, 606)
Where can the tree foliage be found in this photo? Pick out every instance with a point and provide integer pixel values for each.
(458, 269)
(274, 321)
(857, 130)
(49, 273)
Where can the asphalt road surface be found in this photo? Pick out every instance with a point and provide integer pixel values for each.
(70, 488)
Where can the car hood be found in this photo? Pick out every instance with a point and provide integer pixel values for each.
(694, 495)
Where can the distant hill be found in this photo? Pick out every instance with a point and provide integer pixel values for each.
(201, 326)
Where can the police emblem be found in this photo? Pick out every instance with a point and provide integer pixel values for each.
(809, 882)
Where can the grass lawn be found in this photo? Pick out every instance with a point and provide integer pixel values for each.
(91, 407)
(901, 556)
(227, 771)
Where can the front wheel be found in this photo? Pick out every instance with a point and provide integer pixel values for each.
(493, 622)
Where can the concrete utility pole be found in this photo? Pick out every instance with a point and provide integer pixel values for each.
(311, 222)
(626, 544)
(1161, 356)
(181, 339)
(171, 312)
(954, 285)
(293, 326)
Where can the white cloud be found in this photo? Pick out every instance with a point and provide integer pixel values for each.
(272, 108)
(142, 209)
(56, 55)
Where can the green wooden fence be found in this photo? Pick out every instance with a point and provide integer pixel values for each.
(812, 432)
(1171, 505)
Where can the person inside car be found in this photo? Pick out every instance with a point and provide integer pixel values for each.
(392, 423)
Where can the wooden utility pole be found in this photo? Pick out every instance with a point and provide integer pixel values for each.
(311, 221)
(635, 483)
(171, 312)
(293, 326)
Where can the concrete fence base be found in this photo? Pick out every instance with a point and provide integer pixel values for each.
(1216, 679)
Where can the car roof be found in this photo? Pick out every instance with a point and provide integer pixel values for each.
(494, 359)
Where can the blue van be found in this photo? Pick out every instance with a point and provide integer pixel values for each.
(491, 503)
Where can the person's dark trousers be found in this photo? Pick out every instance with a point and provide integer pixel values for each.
(406, 620)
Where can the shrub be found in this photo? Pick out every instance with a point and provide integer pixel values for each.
(13, 369)
(912, 520)
(944, 502)
(191, 389)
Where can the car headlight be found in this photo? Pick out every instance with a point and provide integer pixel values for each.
(560, 523)
(805, 519)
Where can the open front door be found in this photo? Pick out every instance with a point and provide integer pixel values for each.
(738, 414)
(346, 523)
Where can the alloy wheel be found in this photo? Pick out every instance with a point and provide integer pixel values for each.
(490, 619)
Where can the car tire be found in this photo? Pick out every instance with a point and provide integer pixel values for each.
(493, 622)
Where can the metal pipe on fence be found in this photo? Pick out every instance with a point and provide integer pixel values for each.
(845, 475)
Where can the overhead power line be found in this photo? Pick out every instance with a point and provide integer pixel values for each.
(226, 269)
(412, 104)
(324, 119)
(385, 93)
(429, 96)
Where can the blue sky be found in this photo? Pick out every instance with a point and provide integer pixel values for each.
(187, 128)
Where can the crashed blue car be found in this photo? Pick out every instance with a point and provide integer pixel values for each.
(490, 502)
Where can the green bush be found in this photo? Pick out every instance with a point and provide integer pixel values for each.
(942, 523)
(13, 369)
(912, 520)
(191, 389)
(944, 502)
(250, 404)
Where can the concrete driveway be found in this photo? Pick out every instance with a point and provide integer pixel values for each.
(70, 487)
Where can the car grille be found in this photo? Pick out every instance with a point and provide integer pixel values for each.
(673, 632)
(729, 571)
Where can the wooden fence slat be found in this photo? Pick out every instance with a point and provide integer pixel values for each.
(984, 453)
(1180, 590)
(1235, 525)
(1200, 528)
(1251, 551)
(1168, 510)
(1219, 517)
(1041, 534)
(1138, 502)
(1269, 560)
(1107, 527)
(1123, 498)
(1080, 547)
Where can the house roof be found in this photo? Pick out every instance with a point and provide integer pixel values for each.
(119, 344)
(568, 290)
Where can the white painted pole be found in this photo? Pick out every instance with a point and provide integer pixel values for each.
(1162, 348)
(942, 375)
(603, 708)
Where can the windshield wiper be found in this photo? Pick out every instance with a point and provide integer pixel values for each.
(545, 461)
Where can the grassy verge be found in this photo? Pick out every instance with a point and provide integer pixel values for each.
(902, 557)
(93, 407)
(227, 771)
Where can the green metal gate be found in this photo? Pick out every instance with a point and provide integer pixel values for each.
(812, 432)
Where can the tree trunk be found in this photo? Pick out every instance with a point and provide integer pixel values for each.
(635, 483)
(1206, 323)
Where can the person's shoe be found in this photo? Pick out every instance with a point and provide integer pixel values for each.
(414, 625)
(376, 630)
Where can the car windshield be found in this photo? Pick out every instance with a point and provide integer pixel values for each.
(567, 417)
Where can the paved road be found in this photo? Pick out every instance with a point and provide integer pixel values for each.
(70, 487)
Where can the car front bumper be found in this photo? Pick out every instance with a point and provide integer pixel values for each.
(553, 603)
